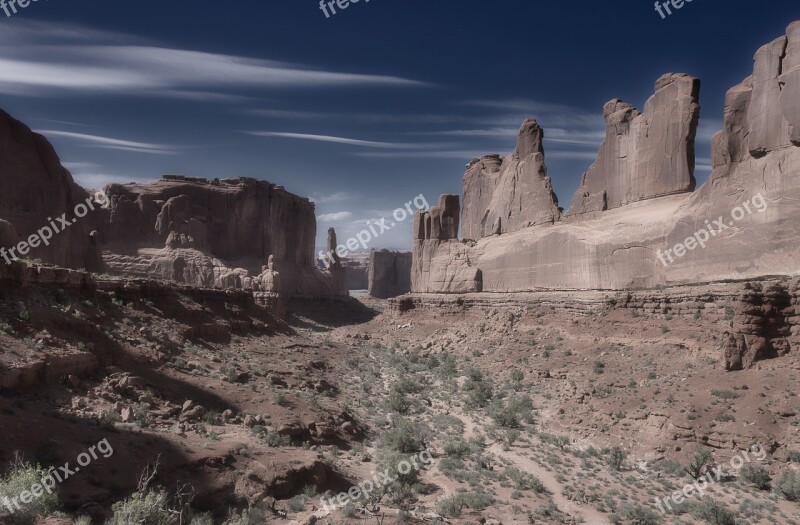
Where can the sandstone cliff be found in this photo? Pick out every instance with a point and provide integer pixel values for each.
(35, 189)
(644, 155)
(504, 195)
(627, 245)
(389, 273)
(234, 233)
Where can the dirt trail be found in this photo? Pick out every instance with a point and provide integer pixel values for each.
(588, 513)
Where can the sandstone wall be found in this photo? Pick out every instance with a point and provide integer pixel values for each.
(357, 272)
(623, 247)
(389, 273)
(439, 260)
(234, 233)
(35, 189)
(505, 195)
(644, 155)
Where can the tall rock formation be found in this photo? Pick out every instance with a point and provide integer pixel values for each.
(644, 155)
(232, 233)
(389, 273)
(504, 195)
(439, 259)
(747, 213)
(35, 189)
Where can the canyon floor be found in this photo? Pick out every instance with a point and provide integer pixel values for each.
(532, 411)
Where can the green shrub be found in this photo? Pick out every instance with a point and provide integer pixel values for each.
(616, 458)
(406, 437)
(275, 440)
(202, 519)
(297, 503)
(757, 476)
(713, 512)
(20, 478)
(398, 402)
(525, 481)
(449, 507)
(150, 507)
(699, 463)
(724, 394)
(456, 448)
(640, 515)
(788, 485)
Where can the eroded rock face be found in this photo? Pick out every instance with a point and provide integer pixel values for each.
(235, 233)
(756, 163)
(439, 258)
(644, 155)
(356, 267)
(505, 195)
(389, 273)
(34, 189)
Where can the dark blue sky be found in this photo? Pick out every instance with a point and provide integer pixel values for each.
(363, 110)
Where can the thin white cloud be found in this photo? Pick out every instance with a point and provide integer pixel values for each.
(57, 60)
(334, 217)
(706, 130)
(333, 139)
(571, 155)
(80, 165)
(110, 143)
(463, 155)
(339, 196)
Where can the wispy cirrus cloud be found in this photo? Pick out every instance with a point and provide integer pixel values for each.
(48, 59)
(110, 142)
(341, 140)
(334, 217)
(339, 196)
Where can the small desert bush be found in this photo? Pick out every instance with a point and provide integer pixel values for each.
(699, 463)
(788, 485)
(616, 458)
(22, 477)
(640, 515)
(757, 476)
(202, 519)
(713, 512)
(149, 507)
(406, 437)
